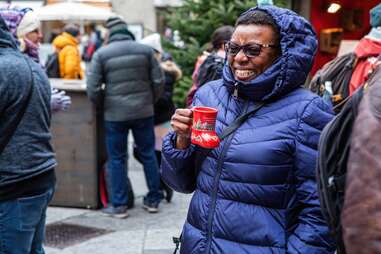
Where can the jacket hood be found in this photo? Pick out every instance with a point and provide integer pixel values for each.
(368, 48)
(171, 67)
(64, 40)
(6, 38)
(298, 44)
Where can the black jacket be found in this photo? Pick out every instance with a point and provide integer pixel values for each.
(164, 107)
(132, 76)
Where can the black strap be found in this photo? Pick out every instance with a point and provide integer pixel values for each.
(177, 241)
(8, 132)
(202, 153)
(239, 121)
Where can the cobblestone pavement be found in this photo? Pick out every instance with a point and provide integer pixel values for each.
(140, 233)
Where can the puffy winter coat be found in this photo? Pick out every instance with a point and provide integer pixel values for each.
(68, 57)
(132, 76)
(256, 192)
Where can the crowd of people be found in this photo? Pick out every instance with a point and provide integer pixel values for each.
(257, 192)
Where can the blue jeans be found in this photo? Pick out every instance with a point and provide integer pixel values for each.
(116, 143)
(22, 224)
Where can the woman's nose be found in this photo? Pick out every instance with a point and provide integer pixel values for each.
(241, 57)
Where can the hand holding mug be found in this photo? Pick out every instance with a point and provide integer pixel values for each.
(181, 123)
(203, 128)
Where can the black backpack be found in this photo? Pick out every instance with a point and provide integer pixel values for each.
(339, 72)
(334, 147)
(52, 66)
(210, 69)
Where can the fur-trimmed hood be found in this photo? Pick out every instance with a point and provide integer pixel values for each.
(171, 67)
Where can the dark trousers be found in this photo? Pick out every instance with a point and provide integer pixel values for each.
(116, 143)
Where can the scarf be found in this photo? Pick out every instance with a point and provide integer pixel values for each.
(30, 49)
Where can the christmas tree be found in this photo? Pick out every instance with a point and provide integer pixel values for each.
(195, 22)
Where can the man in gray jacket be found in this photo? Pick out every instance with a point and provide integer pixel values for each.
(133, 81)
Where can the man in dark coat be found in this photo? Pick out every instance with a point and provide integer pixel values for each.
(133, 82)
(27, 159)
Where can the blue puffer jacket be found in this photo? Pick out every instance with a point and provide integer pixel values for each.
(256, 192)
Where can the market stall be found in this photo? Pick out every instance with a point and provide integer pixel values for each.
(78, 150)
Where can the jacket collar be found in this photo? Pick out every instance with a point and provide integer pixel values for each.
(120, 35)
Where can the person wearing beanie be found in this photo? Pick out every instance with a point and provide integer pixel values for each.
(367, 51)
(69, 58)
(118, 25)
(133, 83)
(25, 27)
(29, 34)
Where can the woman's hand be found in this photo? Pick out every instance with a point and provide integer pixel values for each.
(181, 123)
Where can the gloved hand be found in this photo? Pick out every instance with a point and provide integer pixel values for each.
(59, 101)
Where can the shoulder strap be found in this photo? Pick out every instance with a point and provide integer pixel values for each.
(202, 153)
(8, 133)
(239, 121)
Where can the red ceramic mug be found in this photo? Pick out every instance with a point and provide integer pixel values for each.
(203, 127)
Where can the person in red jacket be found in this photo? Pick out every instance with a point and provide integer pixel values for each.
(367, 51)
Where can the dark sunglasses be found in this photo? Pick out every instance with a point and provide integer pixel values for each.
(250, 50)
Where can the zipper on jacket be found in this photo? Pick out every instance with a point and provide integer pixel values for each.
(215, 185)
(235, 92)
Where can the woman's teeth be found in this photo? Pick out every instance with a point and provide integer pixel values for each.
(243, 73)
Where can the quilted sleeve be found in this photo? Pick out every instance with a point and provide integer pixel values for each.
(177, 166)
(95, 79)
(311, 234)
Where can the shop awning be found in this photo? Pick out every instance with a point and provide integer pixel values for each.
(73, 11)
(167, 3)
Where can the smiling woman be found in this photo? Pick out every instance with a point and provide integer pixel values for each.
(258, 37)
(256, 192)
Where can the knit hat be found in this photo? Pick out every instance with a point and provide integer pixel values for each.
(115, 23)
(375, 16)
(72, 29)
(153, 41)
(13, 17)
(28, 23)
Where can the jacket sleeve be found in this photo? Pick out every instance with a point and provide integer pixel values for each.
(95, 80)
(177, 166)
(157, 78)
(311, 234)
